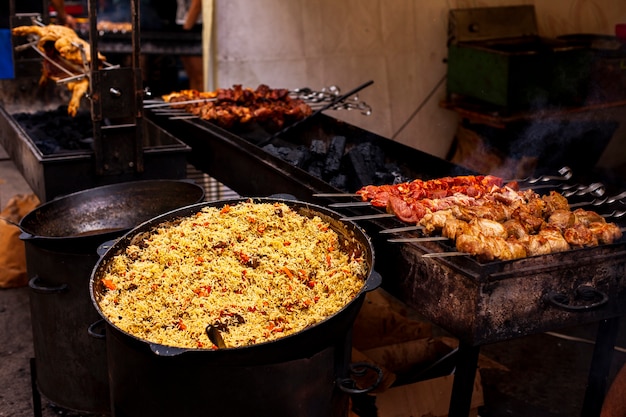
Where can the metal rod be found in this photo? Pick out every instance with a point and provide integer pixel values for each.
(51, 61)
(182, 117)
(417, 239)
(178, 103)
(565, 174)
(368, 217)
(351, 204)
(600, 201)
(402, 229)
(443, 254)
(335, 195)
(315, 113)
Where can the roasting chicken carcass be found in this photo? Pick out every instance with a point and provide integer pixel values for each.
(65, 48)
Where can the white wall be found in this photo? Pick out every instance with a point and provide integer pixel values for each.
(399, 44)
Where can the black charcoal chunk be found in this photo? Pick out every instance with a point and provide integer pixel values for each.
(55, 131)
(295, 156)
(339, 181)
(318, 147)
(316, 168)
(335, 154)
(363, 162)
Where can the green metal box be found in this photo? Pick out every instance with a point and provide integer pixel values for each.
(496, 56)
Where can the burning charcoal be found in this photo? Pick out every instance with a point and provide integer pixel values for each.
(391, 174)
(396, 173)
(318, 148)
(55, 131)
(271, 149)
(334, 155)
(363, 161)
(339, 181)
(316, 168)
(295, 156)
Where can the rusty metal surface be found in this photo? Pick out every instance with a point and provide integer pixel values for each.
(489, 23)
(505, 300)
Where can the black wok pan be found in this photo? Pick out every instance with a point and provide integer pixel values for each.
(83, 220)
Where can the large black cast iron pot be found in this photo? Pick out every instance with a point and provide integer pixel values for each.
(299, 375)
(61, 242)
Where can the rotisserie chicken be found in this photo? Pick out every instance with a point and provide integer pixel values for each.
(66, 49)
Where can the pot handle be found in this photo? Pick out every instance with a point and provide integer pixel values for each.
(35, 284)
(101, 250)
(92, 330)
(595, 297)
(373, 281)
(348, 385)
(162, 350)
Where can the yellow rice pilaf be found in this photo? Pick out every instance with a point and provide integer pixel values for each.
(255, 271)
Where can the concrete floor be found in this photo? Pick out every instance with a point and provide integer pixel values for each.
(542, 375)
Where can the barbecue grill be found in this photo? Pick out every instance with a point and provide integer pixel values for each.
(479, 303)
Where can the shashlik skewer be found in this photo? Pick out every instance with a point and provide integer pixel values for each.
(487, 219)
(238, 105)
(502, 223)
(601, 201)
(526, 231)
(565, 173)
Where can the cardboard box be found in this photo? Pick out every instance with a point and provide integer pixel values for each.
(430, 398)
(415, 365)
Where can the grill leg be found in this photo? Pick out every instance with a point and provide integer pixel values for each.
(463, 385)
(33, 384)
(600, 366)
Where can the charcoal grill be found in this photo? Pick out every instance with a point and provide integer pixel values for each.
(479, 303)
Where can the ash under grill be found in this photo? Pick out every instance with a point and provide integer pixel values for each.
(55, 131)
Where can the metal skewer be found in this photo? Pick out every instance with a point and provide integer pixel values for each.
(335, 195)
(616, 214)
(332, 103)
(418, 239)
(368, 217)
(443, 254)
(597, 189)
(183, 117)
(402, 229)
(565, 174)
(600, 201)
(178, 103)
(351, 204)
